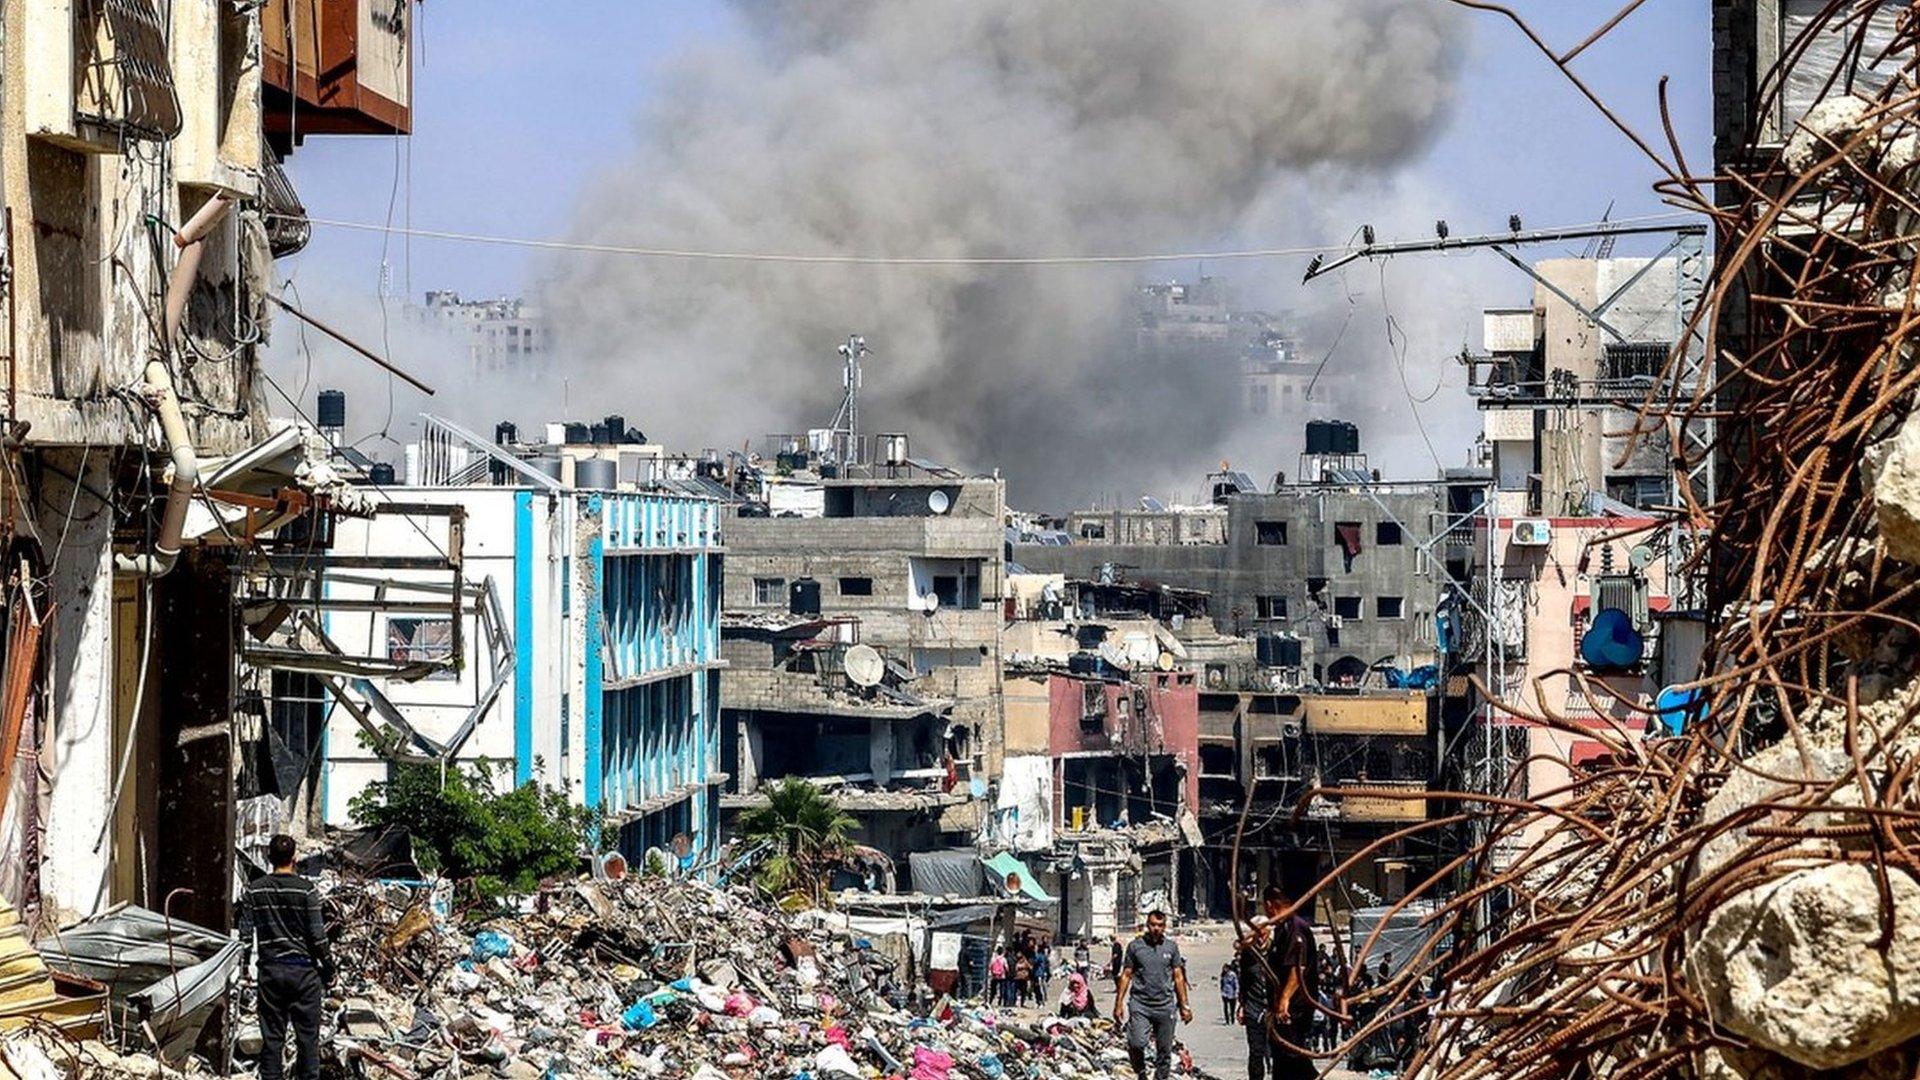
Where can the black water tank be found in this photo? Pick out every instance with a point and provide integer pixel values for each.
(505, 432)
(1346, 437)
(577, 434)
(333, 409)
(381, 473)
(1264, 649)
(616, 427)
(1319, 437)
(597, 434)
(1286, 652)
(1083, 663)
(803, 597)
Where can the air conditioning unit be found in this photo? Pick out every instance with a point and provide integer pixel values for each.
(1532, 532)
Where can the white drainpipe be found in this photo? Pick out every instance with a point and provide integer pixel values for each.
(161, 394)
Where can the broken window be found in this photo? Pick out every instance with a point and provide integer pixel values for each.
(1347, 607)
(1270, 532)
(128, 81)
(1271, 607)
(856, 586)
(1346, 537)
(1387, 534)
(769, 590)
(1093, 705)
(414, 641)
(1389, 607)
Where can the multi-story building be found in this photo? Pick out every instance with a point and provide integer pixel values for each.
(582, 653)
(904, 564)
(1338, 559)
(503, 333)
(140, 167)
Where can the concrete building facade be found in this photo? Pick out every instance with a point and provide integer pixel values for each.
(140, 167)
(908, 563)
(589, 660)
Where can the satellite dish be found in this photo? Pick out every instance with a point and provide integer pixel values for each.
(930, 603)
(864, 666)
(1114, 655)
(938, 501)
(1641, 556)
(1164, 662)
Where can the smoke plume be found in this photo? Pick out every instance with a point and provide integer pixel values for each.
(980, 128)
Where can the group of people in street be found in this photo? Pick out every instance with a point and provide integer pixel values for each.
(1020, 974)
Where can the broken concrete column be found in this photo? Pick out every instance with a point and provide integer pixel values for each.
(1794, 965)
(1893, 470)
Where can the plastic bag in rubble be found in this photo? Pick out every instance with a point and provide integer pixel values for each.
(834, 1058)
(764, 1016)
(711, 998)
(931, 1064)
(739, 1004)
(639, 1016)
(488, 944)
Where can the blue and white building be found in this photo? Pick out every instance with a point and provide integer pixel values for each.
(586, 655)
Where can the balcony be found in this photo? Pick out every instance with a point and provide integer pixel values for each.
(336, 67)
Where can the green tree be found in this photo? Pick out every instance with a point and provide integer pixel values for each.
(800, 836)
(463, 825)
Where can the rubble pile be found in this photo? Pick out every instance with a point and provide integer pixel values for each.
(642, 978)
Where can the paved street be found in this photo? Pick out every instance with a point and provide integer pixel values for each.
(1218, 1048)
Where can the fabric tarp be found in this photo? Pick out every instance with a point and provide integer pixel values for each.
(1024, 814)
(1401, 938)
(954, 872)
(1012, 876)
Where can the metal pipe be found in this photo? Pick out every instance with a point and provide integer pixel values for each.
(165, 398)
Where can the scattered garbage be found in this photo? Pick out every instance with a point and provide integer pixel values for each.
(677, 980)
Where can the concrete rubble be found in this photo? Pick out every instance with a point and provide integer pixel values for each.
(644, 978)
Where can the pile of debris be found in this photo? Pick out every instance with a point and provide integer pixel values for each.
(647, 977)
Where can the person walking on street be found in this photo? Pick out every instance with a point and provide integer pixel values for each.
(280, 926)
(1042, 972)
(1022, 979)
(1082, 957)
(1279, 983)
(1113, 964)
(1152, 990)
(997, 977)
(1229, 993)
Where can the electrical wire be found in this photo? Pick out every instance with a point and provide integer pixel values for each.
(881, 260)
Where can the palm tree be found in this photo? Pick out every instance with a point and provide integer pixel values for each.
(801, 835)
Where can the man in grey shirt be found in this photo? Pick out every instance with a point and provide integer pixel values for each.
(1153, 983)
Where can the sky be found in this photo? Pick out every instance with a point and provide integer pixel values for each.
(519, 107)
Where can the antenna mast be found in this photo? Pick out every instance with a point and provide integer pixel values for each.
(846, 422)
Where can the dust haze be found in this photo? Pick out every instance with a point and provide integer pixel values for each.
(984, 128)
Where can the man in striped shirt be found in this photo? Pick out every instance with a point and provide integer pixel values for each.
(282, 911)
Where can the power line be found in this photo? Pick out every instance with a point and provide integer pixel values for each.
(924, 260)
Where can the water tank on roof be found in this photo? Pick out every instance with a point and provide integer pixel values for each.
(1286, 652)
(381, 473)
(1319, 437)
(1264, 649)
(1083, 663)
(596, 474)
(332, 412)
(599, 434)
(504, 432)
(550, 467)
(577, 434)
(1346, 437)
(616, 426)
(803, 597)
(891, 449)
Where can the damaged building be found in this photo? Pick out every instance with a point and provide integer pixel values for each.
(863, 636)
(146, 493)
(1334, 568)
(576, 644)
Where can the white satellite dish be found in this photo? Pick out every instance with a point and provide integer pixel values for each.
(864, 666)
(930, 603)
(1115, 655)
(938, 501)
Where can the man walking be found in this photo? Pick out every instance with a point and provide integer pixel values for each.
(280, 924)
(1229, 993)
(1153, 984)
(1279, 983)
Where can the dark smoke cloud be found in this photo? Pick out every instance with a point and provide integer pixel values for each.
(979, 128)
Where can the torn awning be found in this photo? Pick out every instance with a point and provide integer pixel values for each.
(1013, 877)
